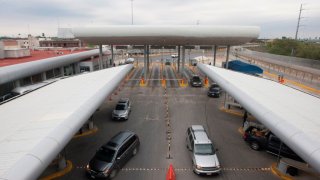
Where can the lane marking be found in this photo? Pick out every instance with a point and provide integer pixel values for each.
(262, 169)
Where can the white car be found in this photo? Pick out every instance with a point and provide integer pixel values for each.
(129, 61)
(174, 56)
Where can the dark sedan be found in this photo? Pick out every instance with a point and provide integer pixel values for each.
(195, 81)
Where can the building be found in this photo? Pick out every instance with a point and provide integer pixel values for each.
(10, 48)
(64, 43)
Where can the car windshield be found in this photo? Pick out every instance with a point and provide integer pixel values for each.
(196, 78)
(105, 154)
(214, 86)
(204, 149)
(120, 107)
(215, 89)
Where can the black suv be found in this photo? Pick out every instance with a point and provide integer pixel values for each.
(214, 90)
(111, 157)
(195, 81)
(259, 139)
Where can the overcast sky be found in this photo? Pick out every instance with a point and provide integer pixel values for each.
(276, 18)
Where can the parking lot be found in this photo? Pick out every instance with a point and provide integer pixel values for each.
(186, 106)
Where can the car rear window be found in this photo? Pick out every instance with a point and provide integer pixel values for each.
(120, 107)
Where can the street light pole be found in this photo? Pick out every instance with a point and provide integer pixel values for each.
(131, 12)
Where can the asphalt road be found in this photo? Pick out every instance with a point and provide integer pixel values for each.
(186, 106)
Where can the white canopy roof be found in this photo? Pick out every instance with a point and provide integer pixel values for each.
(167, 35)
(292, 115)
(37, 126)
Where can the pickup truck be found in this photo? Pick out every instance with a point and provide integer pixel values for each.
(262, 139)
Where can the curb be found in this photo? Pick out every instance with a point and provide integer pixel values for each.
(59, 173)
(275, 171)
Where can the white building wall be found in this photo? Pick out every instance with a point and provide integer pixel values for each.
(17, 53)
(2, 54)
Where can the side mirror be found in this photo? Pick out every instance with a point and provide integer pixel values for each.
(217, 149)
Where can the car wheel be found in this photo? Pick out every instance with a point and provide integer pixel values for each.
(135, 151)
(255, 146)
(113, 173)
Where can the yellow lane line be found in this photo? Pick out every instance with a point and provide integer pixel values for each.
(59, 173)
(89, 132)
(275, 171)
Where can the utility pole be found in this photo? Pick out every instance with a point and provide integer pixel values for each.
(298, 26)
(131, 12)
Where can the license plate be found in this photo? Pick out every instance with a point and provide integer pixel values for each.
(209, 174)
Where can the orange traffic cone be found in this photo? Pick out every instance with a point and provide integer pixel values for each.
(171, 175)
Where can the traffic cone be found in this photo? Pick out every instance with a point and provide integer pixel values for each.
(142, 83)
(206, 81)
(163, 82)
(171, 175)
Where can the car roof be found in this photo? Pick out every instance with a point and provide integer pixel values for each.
(118, 139)
(200, 135)
(197, 128)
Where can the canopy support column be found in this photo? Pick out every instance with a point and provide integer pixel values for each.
(148, 59)
(226, 104)
(100, 57)
(145, 61)
(227, 58)
(112, 56)
(183, 58)
(179, 54)
(214, 55)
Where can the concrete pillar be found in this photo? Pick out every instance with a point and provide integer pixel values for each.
(214, 55)
(145, 61)
(62, 163)
(148, 59)
(62, 71)
(227, 58)
(183, 59)
(226, 95)
(112, 57)
(179, 54)
(44, 76)
(17, 83)
(100, 57)
(90, 123)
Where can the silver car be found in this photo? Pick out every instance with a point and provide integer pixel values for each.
(122, 110)
(202, 151)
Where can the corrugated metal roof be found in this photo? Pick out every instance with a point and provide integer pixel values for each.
(167, 34)
(35, 127)
(292, 115)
